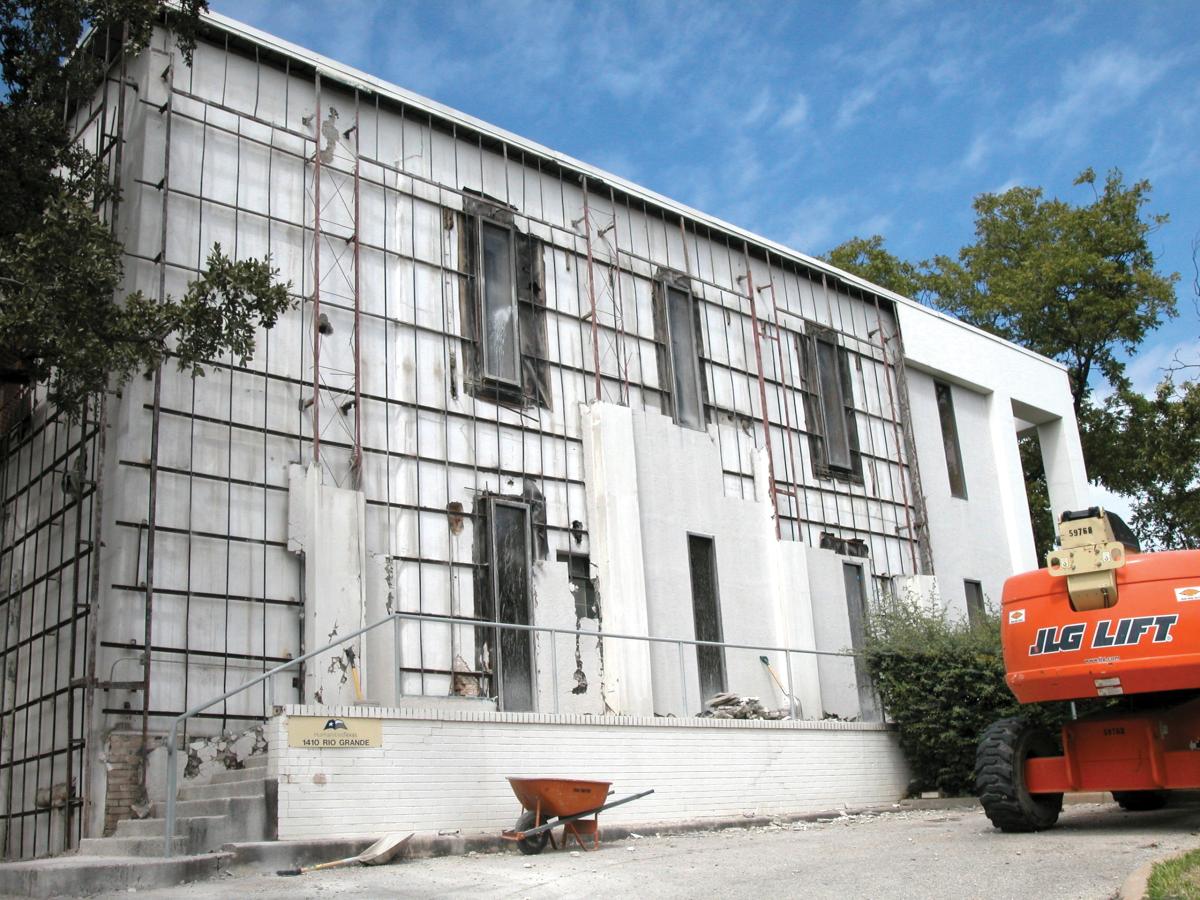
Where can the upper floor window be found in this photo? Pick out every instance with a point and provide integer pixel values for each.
(677, 330)
(498, 291)
(502, 306)
(954, 464)
(829, 404)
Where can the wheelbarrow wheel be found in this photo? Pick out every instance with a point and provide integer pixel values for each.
(535, 844)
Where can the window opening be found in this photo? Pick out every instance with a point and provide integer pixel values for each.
(954, 465)
(579, 571)
(505, 652)
(837, 435)
(677, 335)
(685, 367)
(497, 288)
(706, 614)
(856, 607)
(502, 306)
(975, 606)
(829, 405)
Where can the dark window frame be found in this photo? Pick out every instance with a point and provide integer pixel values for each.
(819, 408)
(583, 585)
(490, 372)
(955, 471)
(710, 661)
(858, 615)
(532, 384)
(489, 601)
(976, 601)
(666, 282)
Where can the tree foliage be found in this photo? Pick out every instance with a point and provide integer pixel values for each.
(1149, 449)
(869, 258)
(64, 319)
(1079, 284)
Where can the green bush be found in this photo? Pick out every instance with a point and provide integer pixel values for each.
(942, 683)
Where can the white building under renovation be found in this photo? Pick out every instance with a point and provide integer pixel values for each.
(515, 389)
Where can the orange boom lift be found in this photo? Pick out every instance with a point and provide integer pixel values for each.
(1102, 620)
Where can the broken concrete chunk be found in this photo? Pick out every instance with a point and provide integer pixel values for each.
(728, 705)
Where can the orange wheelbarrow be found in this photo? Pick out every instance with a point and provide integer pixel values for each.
(550, 802)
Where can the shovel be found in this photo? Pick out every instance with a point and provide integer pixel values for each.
(380, 852)
(766, 662)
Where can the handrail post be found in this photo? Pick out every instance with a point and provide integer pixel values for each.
(397, 655)
(554, 668)
(787, 661)
(172, 787)
(682, 676)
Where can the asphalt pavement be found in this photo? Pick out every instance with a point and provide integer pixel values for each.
(946, 853)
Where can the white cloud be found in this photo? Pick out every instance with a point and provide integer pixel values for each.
(758, 110)
(1151, 365)
(814, 223)
(980, 149)
(1092, 89)
(854, 103)
(796, 114)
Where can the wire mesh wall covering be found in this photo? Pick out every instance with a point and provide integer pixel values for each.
(363, 200)
(47, 486)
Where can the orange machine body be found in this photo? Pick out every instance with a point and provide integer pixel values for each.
(1148, 642)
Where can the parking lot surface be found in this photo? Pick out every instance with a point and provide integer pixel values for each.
(948, 853)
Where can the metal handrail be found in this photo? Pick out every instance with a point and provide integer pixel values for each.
(397, 617)
(172, 735)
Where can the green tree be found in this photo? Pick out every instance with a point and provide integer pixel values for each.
(63, 317)
(1078, 284)
(868, 257)
(1149, 449)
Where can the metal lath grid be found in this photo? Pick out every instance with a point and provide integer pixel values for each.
(49, 507)
(47, 486)
(232, 153)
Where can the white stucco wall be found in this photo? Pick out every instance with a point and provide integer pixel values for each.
(1013, 382)
(965, 534)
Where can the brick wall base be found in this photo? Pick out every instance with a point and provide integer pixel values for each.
(444, 769)
(124, 762)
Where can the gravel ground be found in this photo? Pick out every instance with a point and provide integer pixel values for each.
(952, 853)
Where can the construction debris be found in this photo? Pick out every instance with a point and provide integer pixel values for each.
(728, 705)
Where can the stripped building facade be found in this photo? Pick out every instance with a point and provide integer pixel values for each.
(515, 388)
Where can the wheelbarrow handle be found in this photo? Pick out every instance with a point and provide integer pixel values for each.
(562, 820)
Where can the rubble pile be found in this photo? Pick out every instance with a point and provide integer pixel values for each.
(728, 705)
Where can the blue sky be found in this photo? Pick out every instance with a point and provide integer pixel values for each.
(811, 123)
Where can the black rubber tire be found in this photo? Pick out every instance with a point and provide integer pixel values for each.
(531, 846)
(1000, 776)
(1140, 801)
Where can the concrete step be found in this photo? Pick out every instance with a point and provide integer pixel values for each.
(77, 876)
(130, 846)
(249, 788)
(201, 834)
(216, 806)
(255, 762)
(184, 826)
(233, 775)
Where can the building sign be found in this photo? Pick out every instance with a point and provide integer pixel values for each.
(334, 732)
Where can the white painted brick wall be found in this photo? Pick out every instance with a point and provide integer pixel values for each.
(445, 769)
